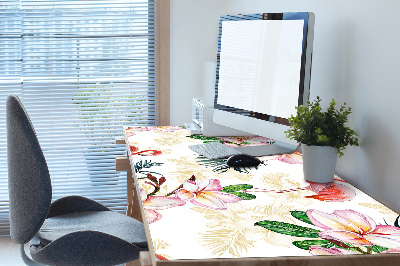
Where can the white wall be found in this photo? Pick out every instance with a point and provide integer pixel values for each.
(194, 41)
(356, 60)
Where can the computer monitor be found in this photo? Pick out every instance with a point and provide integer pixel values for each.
(263, 73)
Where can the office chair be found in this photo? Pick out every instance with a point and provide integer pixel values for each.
(70, 231)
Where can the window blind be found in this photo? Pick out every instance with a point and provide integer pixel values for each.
(83, 69)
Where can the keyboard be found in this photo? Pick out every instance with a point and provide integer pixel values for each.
(214, 150)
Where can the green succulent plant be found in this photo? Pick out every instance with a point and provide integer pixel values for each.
(312, 126)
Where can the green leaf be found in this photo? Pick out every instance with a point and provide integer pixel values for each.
(145, 164)
(289, 229)
(243, 196)
(233, 188)
(306, 244)
(302, 216)
(204, 138)
(378, 249)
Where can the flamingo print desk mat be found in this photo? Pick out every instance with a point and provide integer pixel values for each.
(197, 208)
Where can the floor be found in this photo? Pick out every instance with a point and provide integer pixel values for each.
(10, 255)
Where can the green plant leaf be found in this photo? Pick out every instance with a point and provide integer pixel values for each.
(243, 196)
(289, 229)
(378, 249)
(233, 188)
(302, 216)
(306, 244)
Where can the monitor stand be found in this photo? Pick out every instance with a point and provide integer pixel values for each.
(276, 148)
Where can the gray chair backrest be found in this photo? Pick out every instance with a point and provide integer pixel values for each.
(29, 183)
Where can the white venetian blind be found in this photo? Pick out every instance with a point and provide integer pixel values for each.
(83, 69)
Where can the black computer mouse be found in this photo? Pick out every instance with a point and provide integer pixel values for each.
(242, 160)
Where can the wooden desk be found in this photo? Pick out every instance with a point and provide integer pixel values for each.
(200, 212)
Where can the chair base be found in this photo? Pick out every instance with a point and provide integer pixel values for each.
(26, 259)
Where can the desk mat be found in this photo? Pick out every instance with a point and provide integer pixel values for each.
(197, 208)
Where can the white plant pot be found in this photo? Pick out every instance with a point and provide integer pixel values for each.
(319, 163)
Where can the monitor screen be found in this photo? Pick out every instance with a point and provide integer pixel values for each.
(260, 63)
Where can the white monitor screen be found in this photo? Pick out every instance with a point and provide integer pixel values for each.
(260, 63)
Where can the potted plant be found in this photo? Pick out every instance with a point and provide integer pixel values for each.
(96, 106)
(323, 136)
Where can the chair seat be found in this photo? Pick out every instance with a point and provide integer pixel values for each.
(107, 222)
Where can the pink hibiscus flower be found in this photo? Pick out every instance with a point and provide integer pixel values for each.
(392, 250)
(316, 250)
(135, 150)
(131, 131)
(295, 158)
(352, 227)
(206, 194)
(331, 192)
(152, 203)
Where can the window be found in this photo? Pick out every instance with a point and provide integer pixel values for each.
(83, 69)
